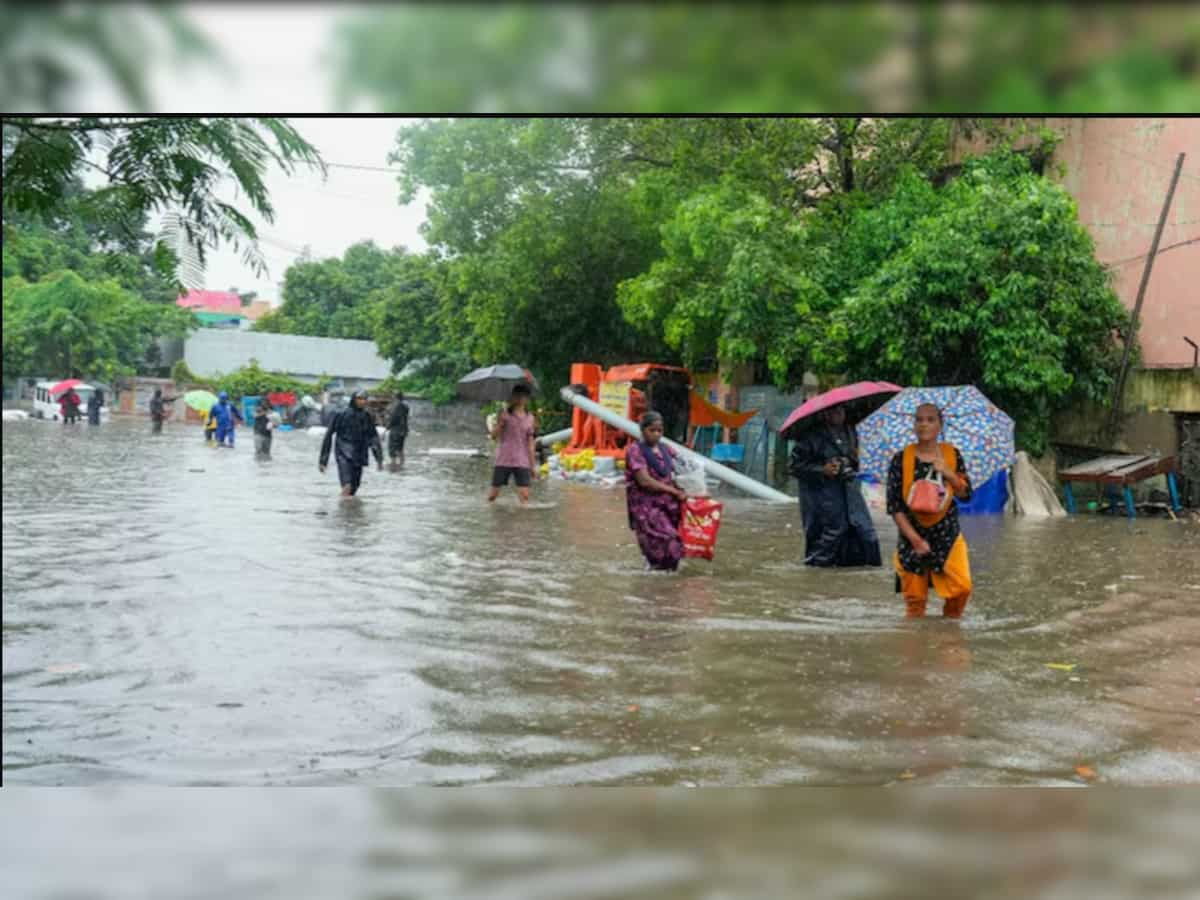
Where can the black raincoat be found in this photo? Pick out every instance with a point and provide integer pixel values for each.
(837, 526)
(356, 436)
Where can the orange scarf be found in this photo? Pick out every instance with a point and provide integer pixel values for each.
(910, 466)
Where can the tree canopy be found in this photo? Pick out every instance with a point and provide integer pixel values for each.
(171, 167)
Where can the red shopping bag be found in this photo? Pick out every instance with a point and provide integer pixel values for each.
(701, 519)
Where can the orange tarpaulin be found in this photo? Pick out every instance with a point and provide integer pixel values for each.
(704, 413)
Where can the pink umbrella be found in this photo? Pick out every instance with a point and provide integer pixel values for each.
(65, 385)
(872, 393)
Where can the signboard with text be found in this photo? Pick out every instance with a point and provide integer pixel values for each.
(614, 396)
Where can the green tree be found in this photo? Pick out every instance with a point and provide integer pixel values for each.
(331, 297)
(49, 50)
(990, 281)
(170, 166)
(80, 237)
(66, 324)
(677, 57)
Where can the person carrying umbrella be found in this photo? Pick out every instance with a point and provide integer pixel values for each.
(355, 431)
(515, 452)
(837, 526)
(931, 547)
(68, 405)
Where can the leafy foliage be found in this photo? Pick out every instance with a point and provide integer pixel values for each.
(170, 166)
(675, 57)
(66, 324)
(49, 50)
(989, 281)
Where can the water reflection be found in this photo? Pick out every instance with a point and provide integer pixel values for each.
(179, 615)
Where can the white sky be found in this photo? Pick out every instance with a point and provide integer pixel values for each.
(275, 63)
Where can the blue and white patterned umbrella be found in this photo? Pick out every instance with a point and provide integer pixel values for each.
(974, 424)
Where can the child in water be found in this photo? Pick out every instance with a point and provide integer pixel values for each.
(210, 428)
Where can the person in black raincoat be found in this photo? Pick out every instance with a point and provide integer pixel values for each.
(355, 431)
(837, 526)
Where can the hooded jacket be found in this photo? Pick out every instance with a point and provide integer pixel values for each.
(355, 431)
(225, 412)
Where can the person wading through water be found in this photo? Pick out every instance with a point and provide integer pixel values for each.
(931, 546)
(262, 429)
(355, 433)
(837, 525)
(158, 410)
(93, 406)
(397, 430)
(653, 501)
(515, 453)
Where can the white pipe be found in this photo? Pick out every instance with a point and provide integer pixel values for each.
(724, 473)
(549, 440)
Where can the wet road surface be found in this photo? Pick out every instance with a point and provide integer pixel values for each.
(176, 614)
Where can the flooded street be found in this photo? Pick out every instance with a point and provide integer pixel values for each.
(181, 615)
(627, 843)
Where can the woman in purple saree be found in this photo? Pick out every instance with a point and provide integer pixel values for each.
(655, 503)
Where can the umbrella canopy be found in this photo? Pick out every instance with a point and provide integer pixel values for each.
(201, 401)
(494, 382)
(860, 398)
(975, 425)
(65, 385)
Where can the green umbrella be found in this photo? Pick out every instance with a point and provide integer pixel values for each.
(201, 401)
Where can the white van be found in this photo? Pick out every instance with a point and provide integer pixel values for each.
(46, 406)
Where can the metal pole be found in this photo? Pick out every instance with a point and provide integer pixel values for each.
(737, 479)
(1118, 394)
(549, 440)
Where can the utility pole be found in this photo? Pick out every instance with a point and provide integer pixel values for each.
(1119, 392)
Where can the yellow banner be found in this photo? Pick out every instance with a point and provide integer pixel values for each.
(614, 396)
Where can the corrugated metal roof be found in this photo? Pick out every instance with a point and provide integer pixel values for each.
(214, 351)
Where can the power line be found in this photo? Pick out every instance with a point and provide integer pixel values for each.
(1161, 251)
(365, 168)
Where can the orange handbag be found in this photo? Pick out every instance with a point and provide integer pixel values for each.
(927, 495)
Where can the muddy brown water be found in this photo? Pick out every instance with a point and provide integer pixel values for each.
(180, 615)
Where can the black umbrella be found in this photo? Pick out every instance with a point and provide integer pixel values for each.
(494, 383)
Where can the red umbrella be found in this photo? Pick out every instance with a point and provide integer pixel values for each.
(872, 393)
(65, 385)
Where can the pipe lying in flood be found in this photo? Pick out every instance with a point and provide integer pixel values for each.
(549, 440)
(723, 473)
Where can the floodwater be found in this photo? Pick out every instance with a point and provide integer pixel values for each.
(181, 615)
(161, 844)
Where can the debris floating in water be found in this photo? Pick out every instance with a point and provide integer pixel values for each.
(1086, 772)
(1062, 667)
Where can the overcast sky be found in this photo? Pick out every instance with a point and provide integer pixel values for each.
(274, 51)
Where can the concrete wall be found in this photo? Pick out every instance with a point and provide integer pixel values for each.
(210, 351)
(1118, 170)
(1153, 400)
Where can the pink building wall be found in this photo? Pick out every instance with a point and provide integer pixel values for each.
(1118, 171)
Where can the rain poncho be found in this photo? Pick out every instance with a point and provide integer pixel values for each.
(225, 414)
(837, 526)
(356, 436)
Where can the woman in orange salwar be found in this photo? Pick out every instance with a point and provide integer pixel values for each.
(931, 546)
